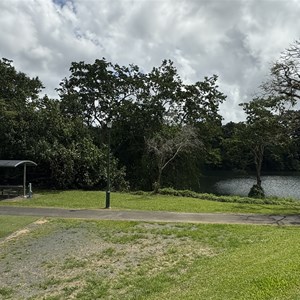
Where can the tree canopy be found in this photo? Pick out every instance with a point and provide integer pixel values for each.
(165, 132)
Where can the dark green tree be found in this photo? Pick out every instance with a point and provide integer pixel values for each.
(95, 91)
(19, 95)
(34, 128)
(234, 150)
(65, 151)
(141, 106)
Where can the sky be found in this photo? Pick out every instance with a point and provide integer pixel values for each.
(238, 40)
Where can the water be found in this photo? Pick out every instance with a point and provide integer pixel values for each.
(284, 185)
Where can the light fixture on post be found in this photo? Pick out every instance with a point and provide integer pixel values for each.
(107, 202)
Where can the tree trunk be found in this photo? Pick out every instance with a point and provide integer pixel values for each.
(258, 173)
(157, 183)
(258, 159)
(257, 191)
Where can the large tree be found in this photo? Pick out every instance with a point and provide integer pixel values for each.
(19, 95)
(96, 91)
(140, 106)
(234, 150)
(34, 127)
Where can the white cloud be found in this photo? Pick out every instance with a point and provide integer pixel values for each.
(235, 39)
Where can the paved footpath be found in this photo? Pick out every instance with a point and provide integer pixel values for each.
(152, 216)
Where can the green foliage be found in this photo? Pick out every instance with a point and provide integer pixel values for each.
(182, 193)
(169, 144)
(142, 193)
(263, 129)
(6, 292)
(16, 88)
(234, 150)
(18, 97)
(68, 151)
(142, 107)
(229, 199)
(35, 128)
(256, 192)
(68, 137)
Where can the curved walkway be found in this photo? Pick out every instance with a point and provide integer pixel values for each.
(152, 216)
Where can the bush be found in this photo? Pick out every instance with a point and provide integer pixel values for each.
(256, 192)
(231, 199)
(139, 193)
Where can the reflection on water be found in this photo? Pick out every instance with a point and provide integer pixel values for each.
(275, 185)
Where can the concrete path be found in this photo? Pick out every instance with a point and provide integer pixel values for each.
(152, 216)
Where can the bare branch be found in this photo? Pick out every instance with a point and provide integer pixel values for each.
(166, 146)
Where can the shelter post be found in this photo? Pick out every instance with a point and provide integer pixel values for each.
(24, 181)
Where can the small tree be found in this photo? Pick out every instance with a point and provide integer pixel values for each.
(263, 129)
(168, 144)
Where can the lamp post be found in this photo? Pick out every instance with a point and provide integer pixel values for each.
(107, 202)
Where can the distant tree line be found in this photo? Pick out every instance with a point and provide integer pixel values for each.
(165, 132)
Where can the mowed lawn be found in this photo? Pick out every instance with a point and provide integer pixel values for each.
(77, 259)
(10, 224)
(96, 200)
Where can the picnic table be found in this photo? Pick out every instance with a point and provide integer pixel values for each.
(11, 190)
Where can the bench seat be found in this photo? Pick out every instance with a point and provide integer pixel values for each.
(11, 190)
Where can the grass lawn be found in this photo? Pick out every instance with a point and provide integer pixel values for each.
(76, 259)
(96, 199)
(9, 224)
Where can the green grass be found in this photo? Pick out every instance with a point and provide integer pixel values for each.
(262, 266)
(250, 262)
(72, 262)
(52, 281)
(146, 201)
(6, 292)
(9, 224)
(169, 261)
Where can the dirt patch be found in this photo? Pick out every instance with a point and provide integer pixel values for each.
(41, 222)
(16, 234)
(61, 258)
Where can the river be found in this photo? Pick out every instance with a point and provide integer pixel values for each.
(227, 183)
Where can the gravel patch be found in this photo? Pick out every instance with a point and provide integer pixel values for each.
(57, 258)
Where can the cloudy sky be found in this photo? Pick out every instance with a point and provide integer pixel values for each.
(235, 39)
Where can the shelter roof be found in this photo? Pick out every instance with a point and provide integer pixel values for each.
(15, 163)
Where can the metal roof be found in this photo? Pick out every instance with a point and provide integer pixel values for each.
(15, 163)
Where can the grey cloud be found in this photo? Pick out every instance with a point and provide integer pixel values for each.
(236, 52)
(235, 39)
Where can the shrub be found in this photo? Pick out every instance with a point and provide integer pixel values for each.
(256, 192)
(232, 199)
(139, 193)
